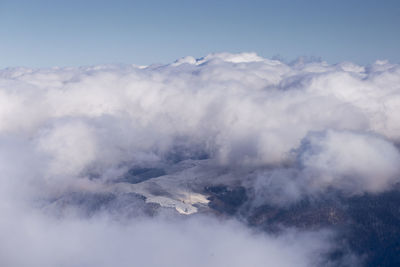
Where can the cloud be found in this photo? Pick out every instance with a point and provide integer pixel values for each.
(351, 162)
(354, 162)
(244, 107)
(284, 131)
(195, 242)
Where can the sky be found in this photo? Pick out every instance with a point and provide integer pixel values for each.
(46, 33)
(96, 162)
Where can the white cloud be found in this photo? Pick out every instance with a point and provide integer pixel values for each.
(39, 241)
(285, 129)
(70, 147)
(350, 161)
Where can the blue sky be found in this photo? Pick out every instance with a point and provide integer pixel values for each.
(44, 33)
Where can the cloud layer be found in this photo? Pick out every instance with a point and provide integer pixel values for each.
(33, 240)
(237, 108)
(284, 131)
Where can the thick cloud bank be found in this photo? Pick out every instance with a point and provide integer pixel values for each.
(238, 109)
(284, 131)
